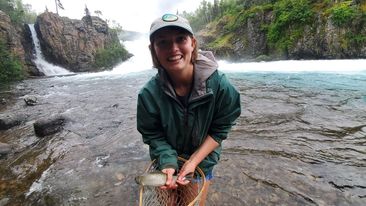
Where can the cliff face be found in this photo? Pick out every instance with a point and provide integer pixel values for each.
(320, 39)
(324, 40)
(18, 42)
(71, 43)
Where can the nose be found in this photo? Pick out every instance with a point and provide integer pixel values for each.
(173, 45)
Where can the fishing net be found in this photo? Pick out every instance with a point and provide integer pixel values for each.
(182, 196)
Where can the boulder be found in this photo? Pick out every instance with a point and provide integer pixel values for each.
(30, 101)
(49, 125)
(72, 43)
(8, 121)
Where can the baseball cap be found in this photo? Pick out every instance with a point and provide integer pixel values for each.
(170, 20)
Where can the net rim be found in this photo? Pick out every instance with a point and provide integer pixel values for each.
(198, 169)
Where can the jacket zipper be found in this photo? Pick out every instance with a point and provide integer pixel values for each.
(186, 117)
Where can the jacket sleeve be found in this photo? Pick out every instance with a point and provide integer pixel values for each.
(150, 127)
(227, 110)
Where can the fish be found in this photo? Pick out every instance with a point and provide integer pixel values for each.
(155, 179)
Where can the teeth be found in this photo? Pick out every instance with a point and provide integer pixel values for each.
(174, 58)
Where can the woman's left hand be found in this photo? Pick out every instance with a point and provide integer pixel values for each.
(188, 168)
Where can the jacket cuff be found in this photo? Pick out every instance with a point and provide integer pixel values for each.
(168, 162)
(169, 165)
(217, 138)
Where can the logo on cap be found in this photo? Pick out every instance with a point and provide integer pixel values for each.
(169, 17)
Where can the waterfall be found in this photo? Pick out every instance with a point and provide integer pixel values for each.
(41, 63)
(140, 60)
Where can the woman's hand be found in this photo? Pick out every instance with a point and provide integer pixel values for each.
(187, 169)
(170, 182)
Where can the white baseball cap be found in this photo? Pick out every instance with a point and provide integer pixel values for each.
(170, 20)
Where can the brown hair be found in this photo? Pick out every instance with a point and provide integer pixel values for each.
(155, 60)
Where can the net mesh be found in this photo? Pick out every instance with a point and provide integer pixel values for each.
(182, 196)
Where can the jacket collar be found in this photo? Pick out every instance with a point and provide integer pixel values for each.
(204, 67)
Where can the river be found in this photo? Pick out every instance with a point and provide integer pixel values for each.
(300, 140)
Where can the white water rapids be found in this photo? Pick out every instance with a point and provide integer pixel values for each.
(141, 61)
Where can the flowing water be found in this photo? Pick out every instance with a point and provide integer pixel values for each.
(45, 67)
(301, 138)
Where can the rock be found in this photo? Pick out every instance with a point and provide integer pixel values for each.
(8, 121)
(248, 39)
(4, 201)
(30, 101)
(3, 101)
(14, 36)
(4, 148)
(73, 43)
(120, 176)
(49, 125)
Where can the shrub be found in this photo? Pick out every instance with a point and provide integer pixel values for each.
(110, 56)
(342, 13)
(290, 18)
(10, 66)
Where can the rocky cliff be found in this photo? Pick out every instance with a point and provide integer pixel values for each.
(245, 37)
(19, 43)
(71, 43)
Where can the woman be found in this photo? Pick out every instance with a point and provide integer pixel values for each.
(188, 108)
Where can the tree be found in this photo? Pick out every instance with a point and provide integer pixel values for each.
(98, 13)
(58, 5)
(87, 13)
(17, 12)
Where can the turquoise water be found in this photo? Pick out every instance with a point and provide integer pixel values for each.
(313, 80)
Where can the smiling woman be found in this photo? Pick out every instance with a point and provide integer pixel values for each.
(187, 109)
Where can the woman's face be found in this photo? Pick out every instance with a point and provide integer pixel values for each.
(173, 48)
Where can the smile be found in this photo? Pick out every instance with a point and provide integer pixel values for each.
(175, 58)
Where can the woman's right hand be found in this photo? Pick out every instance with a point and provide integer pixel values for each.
(170, 182)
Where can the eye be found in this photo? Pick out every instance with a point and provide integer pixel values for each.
(181, 39)
(161, 43)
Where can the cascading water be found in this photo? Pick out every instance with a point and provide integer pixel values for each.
(142, 61)
(41, 63)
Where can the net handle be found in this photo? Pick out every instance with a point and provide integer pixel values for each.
(203, 178)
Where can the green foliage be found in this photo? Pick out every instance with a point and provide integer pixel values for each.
(208, 12)
(201, 17)
(111, 55)
(356, 39)
(242, 16)
(18, 12)
(342, 13)
(290, 18)
(10, 66)
(221, 42)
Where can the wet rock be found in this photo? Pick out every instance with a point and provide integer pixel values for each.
(8, 121)
(30, 101)
(4, 201)
(102, 161)
(3, 101)
(120, 176)
(49, 125)
(4, 148)
(363, 129)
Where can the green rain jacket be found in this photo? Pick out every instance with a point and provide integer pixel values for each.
(171, 129)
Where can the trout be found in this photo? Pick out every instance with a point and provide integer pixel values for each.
(156, 179)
